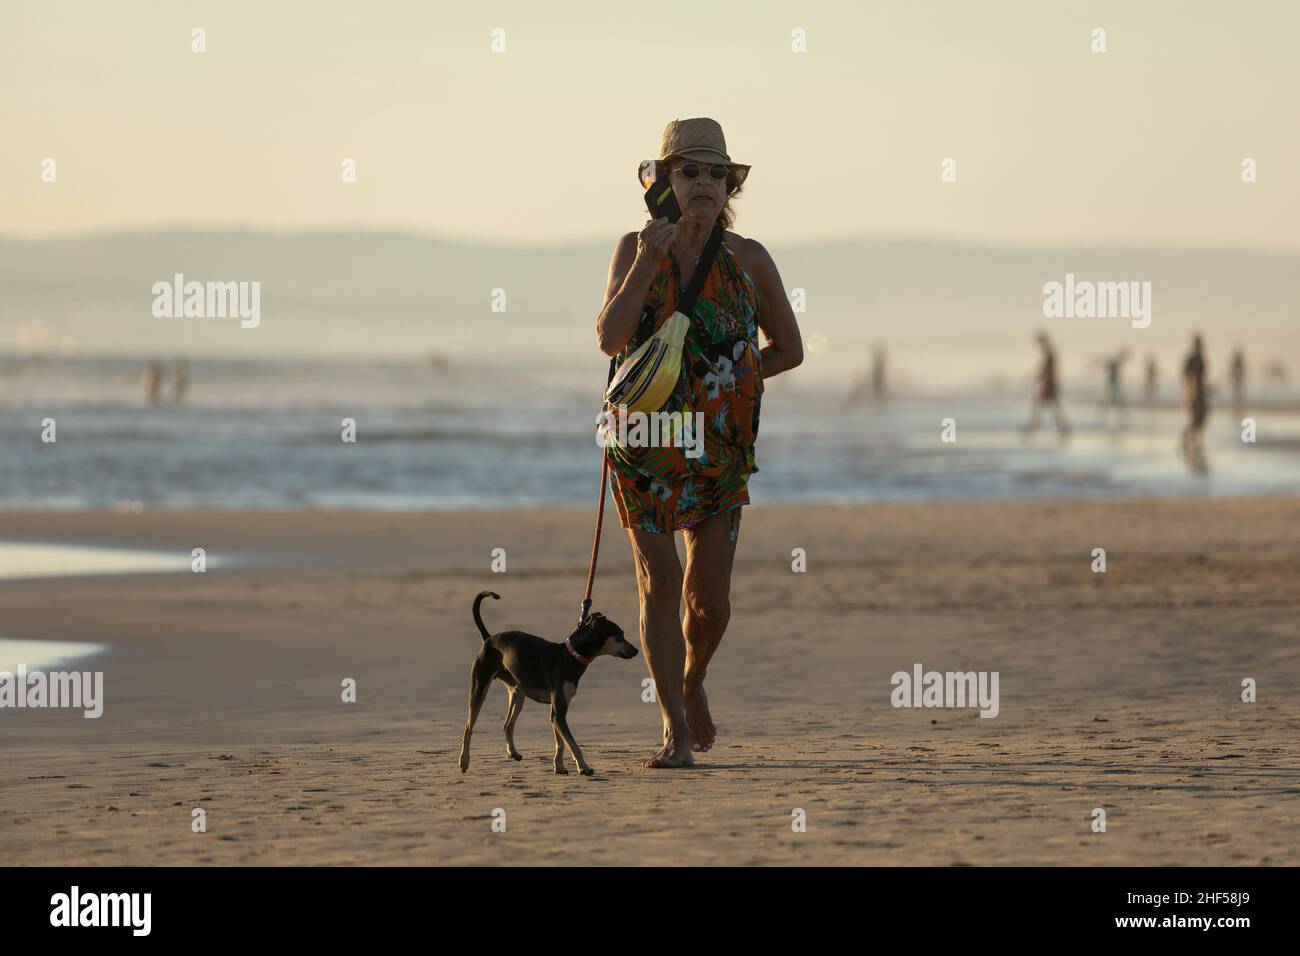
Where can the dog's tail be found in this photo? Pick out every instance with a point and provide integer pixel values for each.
(478, 620)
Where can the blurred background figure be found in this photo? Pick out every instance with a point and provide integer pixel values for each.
(878, 363)
(180, 379)
(871, 382)
(1195, 400)
(1237, 377)
(151, 381)
(1150, 381)
(1112, 397)
(1046, 391)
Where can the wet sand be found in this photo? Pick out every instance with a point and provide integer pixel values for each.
(1118, 690)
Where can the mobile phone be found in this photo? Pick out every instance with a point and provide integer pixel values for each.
(662, 201)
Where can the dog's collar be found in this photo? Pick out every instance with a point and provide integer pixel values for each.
(568, 646)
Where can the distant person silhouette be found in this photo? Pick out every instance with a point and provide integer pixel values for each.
(878, 363)
(1046, 391)
(1113, 395)
(151, 381)
(1151, 381)
(1195, 400)
(1237, 377)
(180, 379)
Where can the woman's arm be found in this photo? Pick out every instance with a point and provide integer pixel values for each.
(631, 271)
(784, 349)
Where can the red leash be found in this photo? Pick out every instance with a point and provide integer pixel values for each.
(595, 543)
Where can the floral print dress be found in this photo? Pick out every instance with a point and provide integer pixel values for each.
(663, 489)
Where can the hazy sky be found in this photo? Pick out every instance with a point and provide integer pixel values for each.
(1052, 142)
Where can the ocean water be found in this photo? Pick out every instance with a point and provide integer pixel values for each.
(268, 435)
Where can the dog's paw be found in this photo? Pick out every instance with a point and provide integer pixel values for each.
(587, 771)
(515, 756)
(562, 770)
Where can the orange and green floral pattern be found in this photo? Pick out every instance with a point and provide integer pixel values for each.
(661, 489)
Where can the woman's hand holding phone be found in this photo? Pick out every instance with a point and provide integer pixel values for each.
(655, 240)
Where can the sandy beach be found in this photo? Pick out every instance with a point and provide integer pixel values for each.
(1118, 690)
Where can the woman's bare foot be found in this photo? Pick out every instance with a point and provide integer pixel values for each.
(698, 717)
(671, 754)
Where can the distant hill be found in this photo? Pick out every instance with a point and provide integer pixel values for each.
(948, 310)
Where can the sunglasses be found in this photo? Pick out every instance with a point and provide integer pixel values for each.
(691, 170)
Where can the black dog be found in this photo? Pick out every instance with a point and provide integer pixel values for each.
(533, 667)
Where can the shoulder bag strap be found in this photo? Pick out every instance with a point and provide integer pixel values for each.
(686, 302)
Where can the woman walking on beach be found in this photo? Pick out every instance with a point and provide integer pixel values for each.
(660, 491)
(1195, 399)
(1046, 392)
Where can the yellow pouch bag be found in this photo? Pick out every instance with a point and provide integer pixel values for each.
(645, 381)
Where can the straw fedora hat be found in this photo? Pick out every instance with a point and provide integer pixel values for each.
(698, 139)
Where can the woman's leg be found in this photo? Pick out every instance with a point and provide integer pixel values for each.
(710, 552)
(659, 581)
(1062, 426)
(1035, 415)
